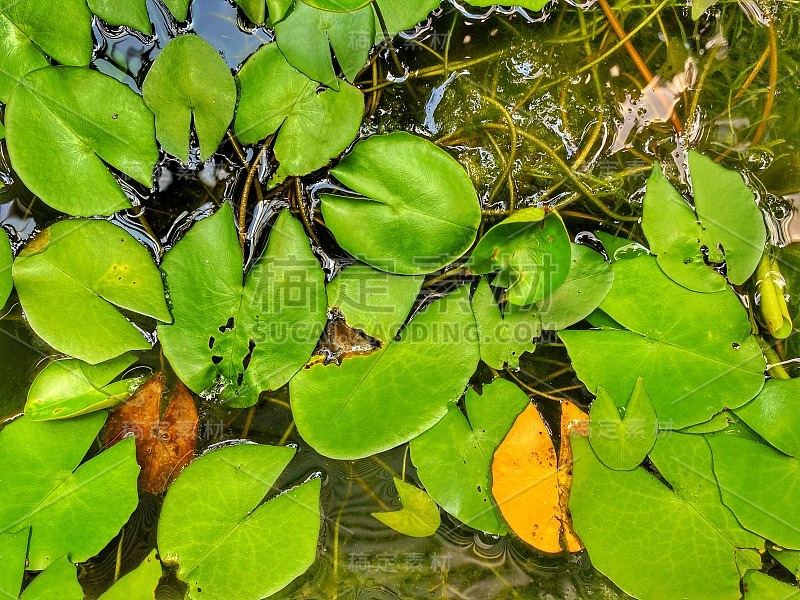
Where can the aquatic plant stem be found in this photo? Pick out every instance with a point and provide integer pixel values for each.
(773, 84)
(337, 524)
(237, 148)
(512, 154)
(301, 206)
(699, 87)
(248, 421)
(251, 175)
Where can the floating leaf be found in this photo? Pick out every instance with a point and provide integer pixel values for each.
(685, 461)
(338, 5)
(164, 444)
(6, 259)
(622, 444)
(586, 286)
(248, 337)
(775, 415)
(59, 580)
(529, 486)
(453, 458)
(504, 335)
(419, 516)
(69, 387)
(131, 13)
(307, 35)
(531, 252)
(400, 15)
(229, 540)
(178, 8)
(312, 126)
(727, 223)
(256, 10)
(13, 552)
(69, 280)
(190, 84)
(760, 485)
(139, 583)
(373, 301)
(102, 122)
(758, 586)
(646, 538)
(374, 402)
(20, 56)
(529, 4)
(422, 210)
(70, 509)
(573, 420)
(694, 350)
(788, 558)
(701, 6)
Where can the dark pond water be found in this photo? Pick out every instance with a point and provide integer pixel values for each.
(593, 130)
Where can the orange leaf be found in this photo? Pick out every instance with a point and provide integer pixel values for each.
(528, 485)
(164, 445)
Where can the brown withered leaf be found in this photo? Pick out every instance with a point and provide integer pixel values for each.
(531, 485)
(164, 444)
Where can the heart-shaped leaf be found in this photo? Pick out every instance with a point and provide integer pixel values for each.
(530, 250)
(229, 540)
(727, 224)
(164, 444)
(453, 458)
(6, 259)
(257, 10)
(248, 337)
(694, 350)
(131, 13)
(190, 84)
(59, 580)
(623, 443)
(419, 516)
(69, 280)
(504, 335)
(400, 15)
(73, 121)
(374, 402)
(70, 509)
(69, 387)
(775, 415)
(312, 126)
(422, 210)
(141, 582)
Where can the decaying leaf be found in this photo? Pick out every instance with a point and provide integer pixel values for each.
(164, 444)
(529, 485)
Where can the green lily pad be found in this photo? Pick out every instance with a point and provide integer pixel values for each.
(13, 552)
(623, 443)
(400, 15)
(257, 10)
(586, 286)
(69, 387)
(139, 583)
(788, 558)
(131, 13)
(246, 337)
(312, 127)
(178, 8)
(645, 537)
(529, 4)
(20, 56)
(727, 222)
(419, 516)
(694, 350)
(375, 302)
(453, 459)
(761, 486)
(775, 415)
(338, 5)
(70, 509)
(504, 335)
(422, 210)
(59, 580)
(6, 260)
(758, 586)
(306, 36)
(64, 34)
(531, 253)
(685, 461)
(229, 540)
(371, 403)
(71, 277)
(60, 150)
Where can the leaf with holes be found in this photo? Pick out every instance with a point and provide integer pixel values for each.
(312, 126)
(72, 278)
(229, 540)
(725, 226)
(245, 337)
(188, 85)
(453, 459)
(374, 402)
(69, 387)
(419, 516)
(71, 508)
(420, 204)
(74, 121)
(166, 443)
